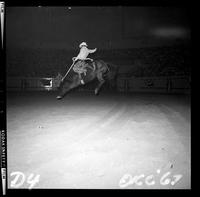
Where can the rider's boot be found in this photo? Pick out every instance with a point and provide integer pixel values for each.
(82, 82)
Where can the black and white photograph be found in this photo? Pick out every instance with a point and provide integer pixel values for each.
(97, 97)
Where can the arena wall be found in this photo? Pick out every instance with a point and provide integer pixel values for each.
(175, 84)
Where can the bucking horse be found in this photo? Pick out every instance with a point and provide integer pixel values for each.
(96, 69)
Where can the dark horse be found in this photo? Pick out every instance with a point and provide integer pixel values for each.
(99, 70)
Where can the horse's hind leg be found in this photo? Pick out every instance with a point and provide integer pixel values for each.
(101, 82)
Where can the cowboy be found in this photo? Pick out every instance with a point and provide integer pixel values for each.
(84, 52)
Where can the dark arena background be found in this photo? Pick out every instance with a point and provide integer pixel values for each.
(136, 136)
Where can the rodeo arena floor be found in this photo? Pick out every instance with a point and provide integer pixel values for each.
(110, 141)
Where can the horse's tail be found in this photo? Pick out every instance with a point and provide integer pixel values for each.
(109, 70)
(112, 75)
(113, 70)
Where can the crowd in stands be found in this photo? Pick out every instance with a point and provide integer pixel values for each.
(155, 61)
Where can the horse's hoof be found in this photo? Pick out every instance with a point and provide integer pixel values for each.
(58, 97)
(96, 92)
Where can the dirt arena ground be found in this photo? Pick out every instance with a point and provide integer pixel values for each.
(110, 141)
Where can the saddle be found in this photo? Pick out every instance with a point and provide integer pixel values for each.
(82, 65)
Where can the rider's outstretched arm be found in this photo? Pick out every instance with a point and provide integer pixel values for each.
(89, 59)
(92, 50)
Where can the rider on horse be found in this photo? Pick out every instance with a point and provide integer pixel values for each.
(80, 66)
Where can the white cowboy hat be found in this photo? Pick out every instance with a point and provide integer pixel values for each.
(83, 44)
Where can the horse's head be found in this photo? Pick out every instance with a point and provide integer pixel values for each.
(70, 82)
